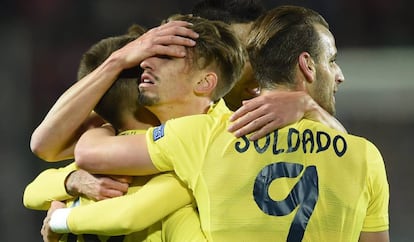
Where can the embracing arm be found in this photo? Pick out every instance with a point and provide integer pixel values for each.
(99, 151)
(159, 197)
(69, 182)
(56, 136)
(276, 109)
(47, 187)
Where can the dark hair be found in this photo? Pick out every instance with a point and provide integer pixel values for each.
(218, 47)
(101, 50)
(229, 11)
(278, 38)
(122, 95)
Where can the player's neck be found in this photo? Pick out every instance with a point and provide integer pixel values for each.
(177, 110)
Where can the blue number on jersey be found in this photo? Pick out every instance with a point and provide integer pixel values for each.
(304, 194)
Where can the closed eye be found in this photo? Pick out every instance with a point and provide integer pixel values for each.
(165, 57)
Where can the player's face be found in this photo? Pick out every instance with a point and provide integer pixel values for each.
(165, 81)
(246, 87)
(328, 73)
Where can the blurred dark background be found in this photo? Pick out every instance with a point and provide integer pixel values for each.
(41, 42)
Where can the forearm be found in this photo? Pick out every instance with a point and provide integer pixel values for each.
(55, 137)
(99, 151)
(158, 198)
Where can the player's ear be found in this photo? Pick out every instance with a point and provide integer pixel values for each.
(307, 66)
(208, 83)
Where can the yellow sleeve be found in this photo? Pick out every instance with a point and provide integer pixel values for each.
(136, 211)
(183, 225)
(377, 218)
(49, 185)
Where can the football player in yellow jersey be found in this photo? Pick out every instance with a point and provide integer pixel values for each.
(64, 184)
(304, 182)
(279, 107)
(112, 228)
(129, 226)
(74, 178)
(118, 106)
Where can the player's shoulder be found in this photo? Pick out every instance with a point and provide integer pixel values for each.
(319, 127)
(200, 120)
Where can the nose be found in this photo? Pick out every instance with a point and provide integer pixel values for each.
(340, 76)
(146, 63)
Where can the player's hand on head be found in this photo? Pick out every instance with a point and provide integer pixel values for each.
(96, 187)
(173, 33)
(267, 112)
(169, 39)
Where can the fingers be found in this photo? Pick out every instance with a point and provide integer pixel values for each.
(47, 234)
(168, 50)
(97, 187)
(178, 28)
(263, 131)
(107, 187)
(108, 193)
(266, 113)
(55, 205)
(248, 118)
(258, 123)
(168, 38)
(243, 110)
(244, 125)
(111, 184)
(121, 178)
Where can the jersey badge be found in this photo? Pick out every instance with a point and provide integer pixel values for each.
(158, 132)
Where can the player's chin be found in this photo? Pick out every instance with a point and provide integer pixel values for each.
(331, 109)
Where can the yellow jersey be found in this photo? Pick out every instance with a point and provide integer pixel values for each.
(137, 216)
(303, 182)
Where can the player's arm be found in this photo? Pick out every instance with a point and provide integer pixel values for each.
(276, 109)
(53, 138)
(47, 187)
(376, 224)
(99, 151)
(374, 237)
(159, 197)
(183, 225)
(69, 182)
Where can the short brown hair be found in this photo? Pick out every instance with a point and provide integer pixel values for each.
(216, 46)
(277, 39)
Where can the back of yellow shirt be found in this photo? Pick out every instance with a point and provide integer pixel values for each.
(304, 182)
